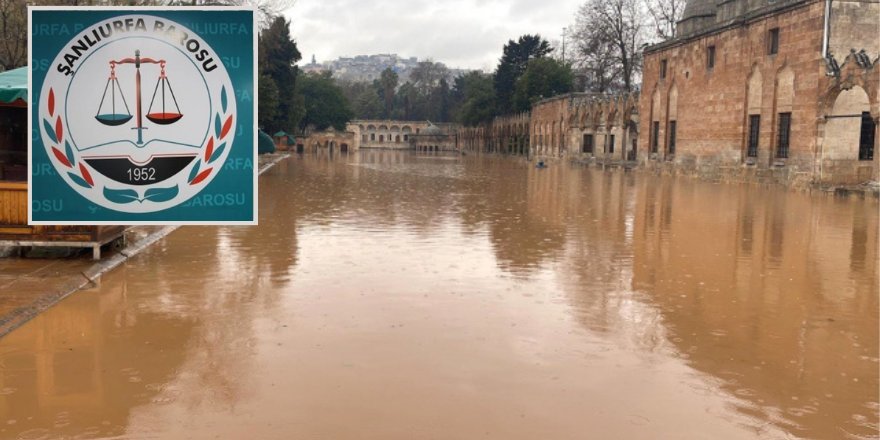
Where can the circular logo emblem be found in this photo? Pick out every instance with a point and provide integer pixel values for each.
(137, 113)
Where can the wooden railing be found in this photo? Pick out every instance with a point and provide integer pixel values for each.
(13, 204)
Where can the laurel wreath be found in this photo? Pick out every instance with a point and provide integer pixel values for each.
(222, 125)
(78, 173)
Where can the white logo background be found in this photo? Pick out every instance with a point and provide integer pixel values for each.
(198, 96)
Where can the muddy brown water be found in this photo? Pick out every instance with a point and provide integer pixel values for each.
(395, 295)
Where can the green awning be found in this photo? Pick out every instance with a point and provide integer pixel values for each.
(265, 144)
(13, 85)
(280, 133)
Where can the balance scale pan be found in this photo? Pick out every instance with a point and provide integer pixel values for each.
(164, 118)
(113, 118)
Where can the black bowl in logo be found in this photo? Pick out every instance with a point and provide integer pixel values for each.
(125, 170)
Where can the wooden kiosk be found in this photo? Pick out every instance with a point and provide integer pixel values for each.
(14, 230)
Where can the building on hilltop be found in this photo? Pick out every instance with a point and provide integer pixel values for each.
(783, 90)
(366, 68)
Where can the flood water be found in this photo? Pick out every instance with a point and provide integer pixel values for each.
(395, 295)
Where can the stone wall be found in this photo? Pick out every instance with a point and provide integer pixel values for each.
(505, 134)
(330, 140)
(562, 127)
(712, 106)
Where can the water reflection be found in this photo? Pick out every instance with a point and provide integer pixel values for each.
(757, 288)
(520, 302)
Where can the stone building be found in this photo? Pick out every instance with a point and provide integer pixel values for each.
(505, 134)
(585, 126)
(328, 140)
(579, 126)
(783, 90)
(433, 138)
(390, 134)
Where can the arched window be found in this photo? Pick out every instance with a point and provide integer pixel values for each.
(655, 122)
(784, 107)
(671, 119)
(849, 132)
(753, 108)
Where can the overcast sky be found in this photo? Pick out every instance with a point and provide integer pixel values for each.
(467, 34)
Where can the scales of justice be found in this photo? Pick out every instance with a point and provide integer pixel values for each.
(161, 160)
(162, 116)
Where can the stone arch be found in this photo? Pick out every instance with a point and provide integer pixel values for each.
(754, 95)
(843, 125)
(610, 117)
(383, 127)
(783, 102)
(784, 89)
(406, 129)
(371, 127)
(395, 128)
(654, 123)
(672, 103)
(671, 119)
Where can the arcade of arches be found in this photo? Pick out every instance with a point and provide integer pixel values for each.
(330, 141)
(765, 106)
(391, 134)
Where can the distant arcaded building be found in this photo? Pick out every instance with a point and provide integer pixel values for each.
(783, 90)
(391, 134)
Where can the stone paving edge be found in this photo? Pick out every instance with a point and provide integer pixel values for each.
(21, 315)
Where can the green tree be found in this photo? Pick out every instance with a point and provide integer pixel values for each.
(387, 86)
(13, 33)
(363, 97)
(325, 104)
(476, 92)
(408, 103)
(267, 109)
(367, 105)
(514, 61)
(278, 55)
(438, 102)
(427, 75)
(543, 78)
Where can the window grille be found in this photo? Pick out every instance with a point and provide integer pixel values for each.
(784, 135)
(655, 136)
(587, 146)
(866, 138)
(754, 131)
